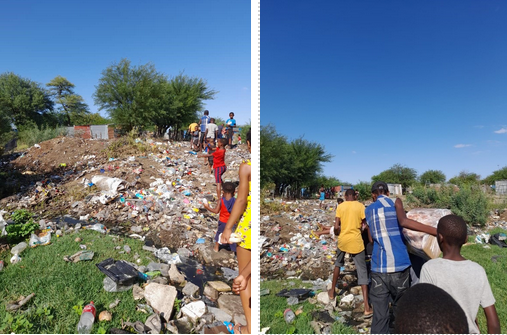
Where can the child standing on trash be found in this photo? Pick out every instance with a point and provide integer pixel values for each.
(209, 149)
(224, 207)
(219, 167)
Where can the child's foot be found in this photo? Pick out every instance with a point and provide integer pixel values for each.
(331, 293)
(215, 248)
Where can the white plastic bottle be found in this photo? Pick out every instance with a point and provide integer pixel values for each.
(87, 318)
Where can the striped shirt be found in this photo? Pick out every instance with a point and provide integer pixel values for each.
(389, 250)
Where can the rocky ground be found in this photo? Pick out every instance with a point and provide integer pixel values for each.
(148, 189)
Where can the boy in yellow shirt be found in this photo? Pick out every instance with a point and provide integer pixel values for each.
(347, 227)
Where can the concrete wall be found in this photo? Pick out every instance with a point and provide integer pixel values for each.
(100, 132)
(501, 186)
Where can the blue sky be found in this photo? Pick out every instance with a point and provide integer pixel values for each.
(79, 39)
(422, 84)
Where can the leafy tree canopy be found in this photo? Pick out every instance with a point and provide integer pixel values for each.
(71, 104)
(23, 101)
(397, 174)
(465, 178)
(432, 177)
(500, 174)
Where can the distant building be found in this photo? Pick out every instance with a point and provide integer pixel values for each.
(395, 189)
(501, 186)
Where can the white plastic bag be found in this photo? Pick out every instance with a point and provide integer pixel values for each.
(35, 240)
(3, 232)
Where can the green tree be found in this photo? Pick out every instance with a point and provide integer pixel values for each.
(432, 177)
(24, 102)
(397, 174)
(71, 104)
(180, 99)
(364, 189)
(274, 156)
(500, 174)
(465, 178)
(130, 94)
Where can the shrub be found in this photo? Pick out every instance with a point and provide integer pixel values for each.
(471, 204)
(34, 135)
(23, 226)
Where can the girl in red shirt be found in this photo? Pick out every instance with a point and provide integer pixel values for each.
(224, 207)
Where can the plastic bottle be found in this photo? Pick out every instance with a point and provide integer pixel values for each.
(289, 315)
(87, 318)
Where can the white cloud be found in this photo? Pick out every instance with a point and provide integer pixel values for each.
(462, 145)
(501, 131)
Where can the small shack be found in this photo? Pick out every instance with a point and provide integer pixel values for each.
(395, 189)
(501, 186)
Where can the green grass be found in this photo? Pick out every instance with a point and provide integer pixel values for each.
(272, 308)
(497, 276)
(59, 285)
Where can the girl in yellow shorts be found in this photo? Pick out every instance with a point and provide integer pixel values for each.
(242, 283)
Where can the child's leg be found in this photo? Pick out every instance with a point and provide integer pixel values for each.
(216, 246)
(244, 257)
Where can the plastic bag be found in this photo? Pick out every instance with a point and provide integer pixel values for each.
(422, 244)
(15, 259)
(19, 248)
(168, 257)
(98, 227)
(3, 223)
(111, 286)
(108, 185)
(42, 239)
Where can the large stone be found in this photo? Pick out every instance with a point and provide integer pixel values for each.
(190, 289)
(356, 290)
(211, 293)
(194, 310)
(219, 314)
(323, 298)
(161, 298)
(184, 325)
(220, 286)
(154, 323)
(164, 269)
(137, 292)
(239, 318)
(231, 304)
(175, 275)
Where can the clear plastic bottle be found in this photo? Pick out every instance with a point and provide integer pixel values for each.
(87, 318)
(289, 315)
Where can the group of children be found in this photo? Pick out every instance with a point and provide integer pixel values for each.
(464, 281)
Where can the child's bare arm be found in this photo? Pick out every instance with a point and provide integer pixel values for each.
(409, 223)
(215, 210)
(492, 320)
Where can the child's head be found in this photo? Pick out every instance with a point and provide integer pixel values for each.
(453, 230)
(228, 188)
(350, 195)
(222, 142)
(427, 309)
(339, 200)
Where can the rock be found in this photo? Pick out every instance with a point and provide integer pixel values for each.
(190, 289)
(136, 229)
(219, 314)
(356, 290)
(154, 323)
(220, 286)
(105, 316)
(194, 310)
(164, 270)
(323, 298)
(239, 318)
(160, 280)
(211, 293)
(230, 304)
(184, 325)
(175, 276)
(161, 298)
(154, 266)
(137, 292)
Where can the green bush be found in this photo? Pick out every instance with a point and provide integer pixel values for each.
(23, 226)
(471, 204)
(34, 135)
(469, 201)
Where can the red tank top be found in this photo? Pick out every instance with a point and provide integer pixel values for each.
(224, 211)
(218, 158)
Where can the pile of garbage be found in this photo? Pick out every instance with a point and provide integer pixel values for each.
(157, 197)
